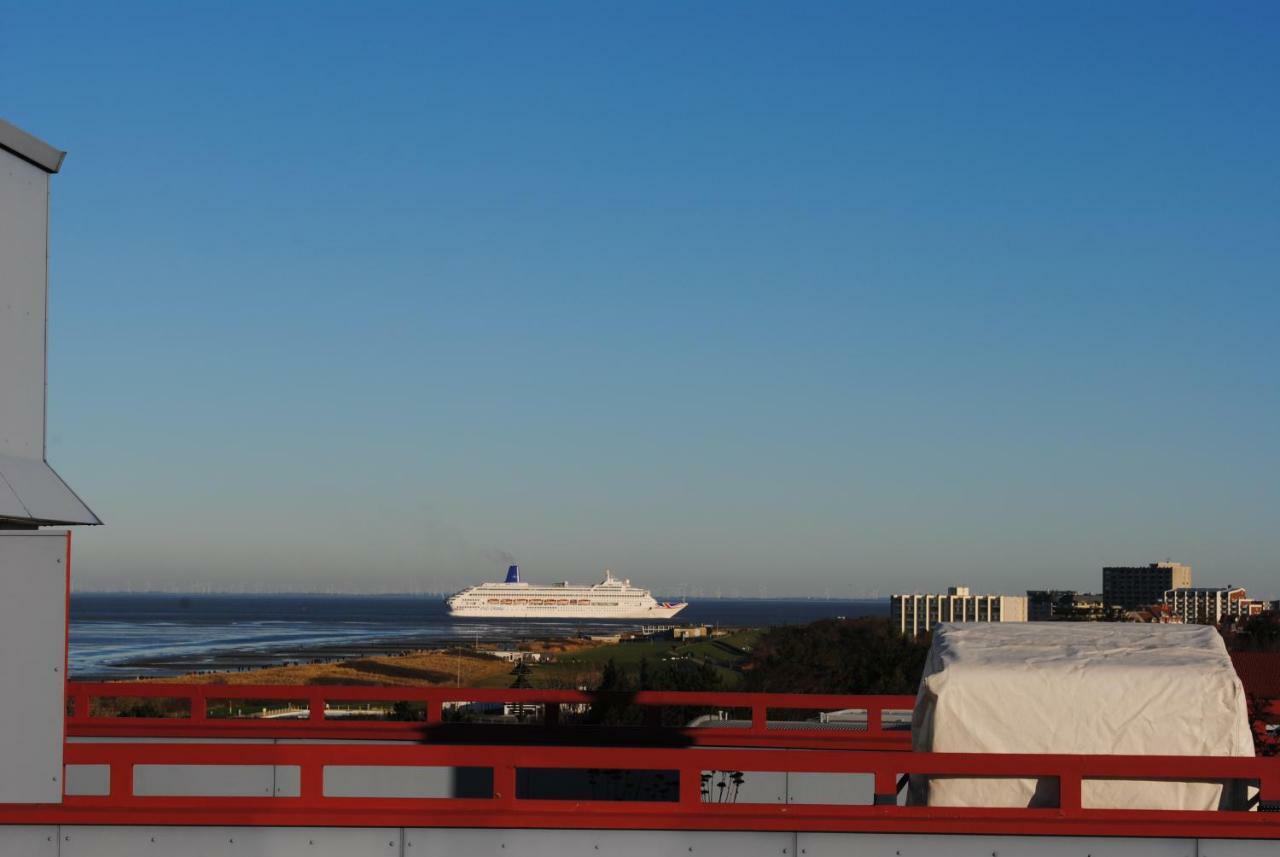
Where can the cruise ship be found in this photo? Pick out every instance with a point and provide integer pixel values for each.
(611, 598)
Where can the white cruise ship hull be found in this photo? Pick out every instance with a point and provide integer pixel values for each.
(514, 598)
(512, 611)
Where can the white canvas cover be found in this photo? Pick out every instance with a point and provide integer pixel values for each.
(1082, 688)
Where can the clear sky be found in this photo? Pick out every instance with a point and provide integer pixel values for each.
(784, 298)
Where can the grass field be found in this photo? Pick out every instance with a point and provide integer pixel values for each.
(577, 663)
(583, 667)
(416, 669)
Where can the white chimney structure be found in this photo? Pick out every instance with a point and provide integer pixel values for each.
(34, 563)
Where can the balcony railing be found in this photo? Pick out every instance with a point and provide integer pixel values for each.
(312, 803)
(552, 716)
(210, 773)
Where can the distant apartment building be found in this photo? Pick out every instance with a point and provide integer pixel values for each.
(1040, 603)
(1064, 605)
(1084, 607)
(1131, 587)
(916, 614)
(1210, 605)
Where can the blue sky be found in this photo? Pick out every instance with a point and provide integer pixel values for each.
(835, 299)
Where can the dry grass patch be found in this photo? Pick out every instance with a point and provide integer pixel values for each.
(417, 669)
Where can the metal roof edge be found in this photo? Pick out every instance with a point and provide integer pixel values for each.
(32, 149)
(96, 522)
(33, 494)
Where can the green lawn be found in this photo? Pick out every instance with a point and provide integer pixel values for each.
(724, 654)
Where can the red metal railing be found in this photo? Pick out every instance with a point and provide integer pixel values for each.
(196, 699)
(687, 811)
(762, 746)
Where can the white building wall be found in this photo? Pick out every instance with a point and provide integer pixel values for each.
(1206, 606)
(133, 841)
(24, 225)
(31, 493)
(33, 623)
(915, 614)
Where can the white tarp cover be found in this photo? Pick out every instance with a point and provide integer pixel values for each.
(1080, 688)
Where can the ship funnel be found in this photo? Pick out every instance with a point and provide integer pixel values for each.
(513, 574)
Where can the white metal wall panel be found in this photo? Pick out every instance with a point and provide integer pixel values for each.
(28, 841)
(229, 842)
(909, 845)
(783, 787)
(1238, 848)
(10, 505)
(287, 781)
(756, 787)
(843, 789)
(157, 841)
(448, 842)
(87, 780)
(24, 224)
(409, 781)
(207, 780)
(33, 611)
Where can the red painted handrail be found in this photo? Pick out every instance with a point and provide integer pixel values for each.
(876, 752)
(507, 809)
(83, 723)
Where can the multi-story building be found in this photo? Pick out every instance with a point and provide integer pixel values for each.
(1084, 607)
(1044, 605)
(1209, 605)
(1040, 603)
(916, 614)
(1131, 587)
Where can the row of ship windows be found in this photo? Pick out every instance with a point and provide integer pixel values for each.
(555, 590)
(537, 602)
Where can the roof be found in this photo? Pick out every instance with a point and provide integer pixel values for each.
(13, 139)
(1259, 672)
(32, 493)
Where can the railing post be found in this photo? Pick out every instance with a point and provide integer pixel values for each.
(759, 718)
(311, 782)
(81, 707)
(875, 719)
(435, 712)
(315, 708)
(199, 705)
(504, 784)
(886, 788)
(121, 784)
(1070, 787)
(551, 717)
(1269, 783)
(690, 788)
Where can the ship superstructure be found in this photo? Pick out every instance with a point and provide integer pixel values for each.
(611, 598)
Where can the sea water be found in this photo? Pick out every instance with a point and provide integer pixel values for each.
(118, 635)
